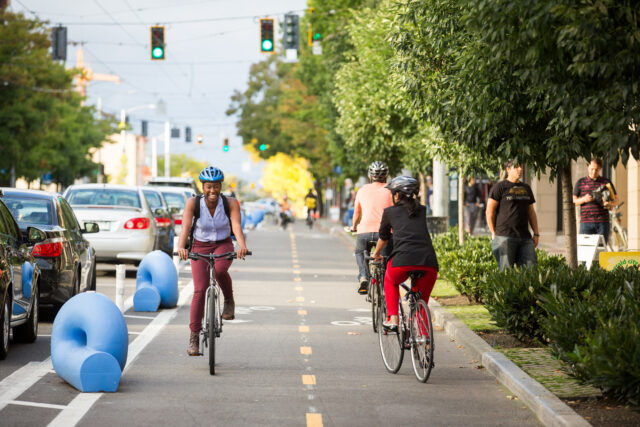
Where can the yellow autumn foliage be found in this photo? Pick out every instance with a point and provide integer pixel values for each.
(284, 174)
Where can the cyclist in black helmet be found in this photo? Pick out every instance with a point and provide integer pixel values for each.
(412, 247)
(210, 234)
(371, 200)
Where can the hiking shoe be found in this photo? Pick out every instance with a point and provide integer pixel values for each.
(364, 284)
(193, 349)
(228, 311)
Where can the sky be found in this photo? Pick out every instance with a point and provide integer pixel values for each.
(210, 46)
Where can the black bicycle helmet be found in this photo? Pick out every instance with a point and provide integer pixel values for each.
(405, 185)
(211, 174)
(378, 171)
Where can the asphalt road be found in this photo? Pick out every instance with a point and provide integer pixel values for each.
(300, 352)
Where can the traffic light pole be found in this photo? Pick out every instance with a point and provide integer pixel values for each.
(167, 143)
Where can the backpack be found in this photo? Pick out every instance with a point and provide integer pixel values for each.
(196, 215)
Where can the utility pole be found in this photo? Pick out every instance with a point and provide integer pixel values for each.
(167, 143)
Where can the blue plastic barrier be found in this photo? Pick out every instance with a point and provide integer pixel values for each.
(89, 343)
(156, 283)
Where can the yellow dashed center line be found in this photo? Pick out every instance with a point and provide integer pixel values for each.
(305, 350)
(303, 329)
(297, 279)
(302, 312)
(314, 420)
(298, 288)
(299, 299)
(309, 379)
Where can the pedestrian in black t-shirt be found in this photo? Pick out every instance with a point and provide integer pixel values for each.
(594, 213)
(509, 213)
(412, 247)
(472, 199)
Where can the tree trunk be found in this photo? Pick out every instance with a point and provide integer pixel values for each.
(569, 217)
(460, 207)
(423, 189)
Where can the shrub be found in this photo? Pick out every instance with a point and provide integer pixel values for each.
(595, 327)
(511, 296)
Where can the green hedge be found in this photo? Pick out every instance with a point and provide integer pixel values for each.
(465, 266)
(511, 296)
(595, 326)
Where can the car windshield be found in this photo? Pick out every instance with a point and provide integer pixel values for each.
(30, 211)
(174, 200)
(103, 197)
(153, 198)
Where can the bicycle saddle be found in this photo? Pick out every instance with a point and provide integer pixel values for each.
(416, 274)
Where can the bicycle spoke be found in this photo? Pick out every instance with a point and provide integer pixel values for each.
(422, 343)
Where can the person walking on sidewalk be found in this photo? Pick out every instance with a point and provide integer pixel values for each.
(594, 212)
(412, 247)
(472, 199)
(218, 215)
(509, 213)
(371, 200)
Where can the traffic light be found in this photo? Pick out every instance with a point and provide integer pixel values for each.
(225, 145)
(187, 134)
(263, 147)
(157, 43)
(145, 128)
(267, 42)
(199, 139)
(291, 31)
(59, 43)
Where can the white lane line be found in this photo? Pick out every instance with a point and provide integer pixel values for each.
(82, 403)
(131, 316)
(36, 404)
(19, 381)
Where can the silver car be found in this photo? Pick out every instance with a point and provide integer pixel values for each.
(127, 224)
(176, 198)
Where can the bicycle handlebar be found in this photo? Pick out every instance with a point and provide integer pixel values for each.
(228, 255)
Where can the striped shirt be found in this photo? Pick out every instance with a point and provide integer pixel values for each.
(592, 211)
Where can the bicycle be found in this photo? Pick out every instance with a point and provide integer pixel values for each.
(618, 239)
(212, 317)
(310, 218)
(375, 290)
(415, 333)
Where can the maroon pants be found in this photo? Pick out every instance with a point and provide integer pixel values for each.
(396, 275)
(200, 273)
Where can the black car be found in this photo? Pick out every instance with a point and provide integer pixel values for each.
(19, 282)
(163, 219)
(66, 259)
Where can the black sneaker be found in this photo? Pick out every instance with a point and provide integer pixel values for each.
(364, 284)
(389, 328)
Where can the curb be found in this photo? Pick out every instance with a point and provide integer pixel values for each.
(549, 409)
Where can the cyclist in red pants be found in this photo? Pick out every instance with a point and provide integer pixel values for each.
(412, 247)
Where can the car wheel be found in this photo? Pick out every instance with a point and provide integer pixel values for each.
(92, 286)
(28, 332)
(5, 318)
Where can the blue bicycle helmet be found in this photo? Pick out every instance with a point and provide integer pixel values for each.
(211, 174)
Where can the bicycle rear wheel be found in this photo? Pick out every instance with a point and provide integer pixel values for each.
(422, 342)
(391, 344)
(375, 302)
(212, 328)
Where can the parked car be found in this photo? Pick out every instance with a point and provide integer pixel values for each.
(19, 280)
(162, 181)
(176, 198)
(163, 219)
(127, 225)
(66, 259)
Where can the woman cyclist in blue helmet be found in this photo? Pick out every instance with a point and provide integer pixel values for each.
(211, 234)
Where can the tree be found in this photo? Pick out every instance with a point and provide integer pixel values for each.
(44, 127)
(287, 175)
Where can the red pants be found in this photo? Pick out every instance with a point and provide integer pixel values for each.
(200, 273)
(396, 275)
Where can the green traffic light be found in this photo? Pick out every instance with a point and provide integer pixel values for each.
(157, 52)
(267, 45)
(225, 148)
(317, 36)
(263, 147)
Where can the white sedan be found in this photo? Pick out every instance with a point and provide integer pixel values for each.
(127, 225)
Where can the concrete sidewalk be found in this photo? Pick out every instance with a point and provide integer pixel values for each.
(548, 408)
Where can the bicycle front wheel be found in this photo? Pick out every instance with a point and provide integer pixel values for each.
(374, 288)
(422, 342)
(391, 344)
(212, 328)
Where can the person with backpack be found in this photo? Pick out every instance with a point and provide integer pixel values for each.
(208, 222)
